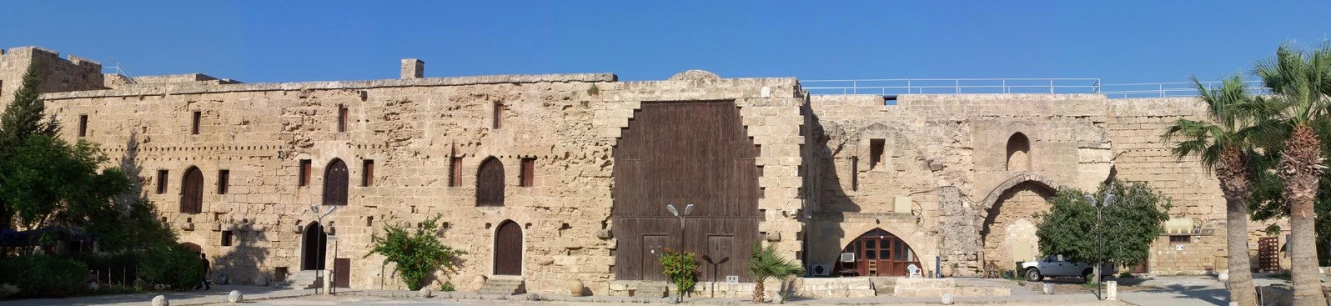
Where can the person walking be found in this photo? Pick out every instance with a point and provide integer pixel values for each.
(206, 268)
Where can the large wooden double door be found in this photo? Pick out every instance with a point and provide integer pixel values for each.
(879, 253)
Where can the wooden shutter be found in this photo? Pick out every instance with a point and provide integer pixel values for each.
(528, 172)
(367, 173)
(490, 183)
(341, 118)
(161, 181)
(223, 181)
(335, 183)
(191, 192)
(455, 178)
(304, 173)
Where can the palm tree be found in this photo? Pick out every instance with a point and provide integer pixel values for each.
(1224, 150)
(765, 263)
(1300, 83)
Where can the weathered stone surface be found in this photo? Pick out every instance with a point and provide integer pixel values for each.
(235, 296)
(160, 300)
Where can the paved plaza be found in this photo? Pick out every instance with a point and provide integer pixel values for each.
(1165, 290)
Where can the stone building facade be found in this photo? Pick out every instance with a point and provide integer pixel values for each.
(953, 177)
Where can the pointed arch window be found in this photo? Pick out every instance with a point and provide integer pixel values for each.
(335, 183)
(490, 183)
(191, 191)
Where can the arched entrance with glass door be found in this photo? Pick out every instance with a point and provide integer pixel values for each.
(880, 253)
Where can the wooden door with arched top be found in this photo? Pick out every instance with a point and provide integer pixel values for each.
(508, 249)
(335, 183)
(191, 192)
(880, 253)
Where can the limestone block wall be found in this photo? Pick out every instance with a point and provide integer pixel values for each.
(57, 74)
(412, 129)
(1141, 155)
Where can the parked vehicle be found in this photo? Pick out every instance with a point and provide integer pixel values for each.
(1054, 266)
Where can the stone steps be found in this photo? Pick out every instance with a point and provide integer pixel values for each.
(302, 280)
(652, 290)
(500, 285)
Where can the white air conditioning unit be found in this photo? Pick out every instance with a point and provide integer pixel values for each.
(847, 257)
(820, 270)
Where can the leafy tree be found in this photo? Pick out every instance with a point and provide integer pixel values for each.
(682, 269)
(417, 255)
(764, 263)
(1223, 149)
(1301, 86)
(49, 182)
(22, 118)
(1128, 225)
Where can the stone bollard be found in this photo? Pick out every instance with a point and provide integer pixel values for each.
(1048, 288)
(160, 300)
(947, 299)
(575, 288)
(1111, 290)
(425, 292)
(235, 297)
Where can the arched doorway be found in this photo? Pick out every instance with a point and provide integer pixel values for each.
(1008, 232)
(880, 253)
(508, 249)
(191, 191)
(335, 183)
(490, 183)
(315, 248)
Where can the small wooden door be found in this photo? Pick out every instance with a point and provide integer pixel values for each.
(653, 247)
(508, 249)
(191, 192)
(720, 252)
(490, 183)
(342, 272)
(335, 183)
(1268, 254)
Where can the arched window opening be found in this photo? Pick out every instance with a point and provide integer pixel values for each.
(490, 183)
(1018, 153)
(191, 192)
(878, 253)
(335, 183)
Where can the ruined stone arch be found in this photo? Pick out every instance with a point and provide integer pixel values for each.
(1018, 152)
(1016, 179)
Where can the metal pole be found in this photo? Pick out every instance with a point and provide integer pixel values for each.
(1099, 254)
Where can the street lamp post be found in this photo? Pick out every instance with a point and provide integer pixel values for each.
(322, 260)
(687, 209)
(1099, 241)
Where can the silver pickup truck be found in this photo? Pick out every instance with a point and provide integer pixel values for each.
(1054, 266)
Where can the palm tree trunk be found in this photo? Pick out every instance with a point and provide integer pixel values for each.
(1301, 166)
(1235, 181)
(758, 290)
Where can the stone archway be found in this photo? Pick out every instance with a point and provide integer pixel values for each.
(1007, 233)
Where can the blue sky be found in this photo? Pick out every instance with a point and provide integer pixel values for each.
(281, 41)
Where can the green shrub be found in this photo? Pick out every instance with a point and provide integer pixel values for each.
(682, 269)
(174, 265)
(447, 287)
(416, 255)
(1126, 275)
(44, 276)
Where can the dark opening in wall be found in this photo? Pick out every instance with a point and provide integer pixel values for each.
(195, 126)
(498, 116)
(367, 173)
(341, 118)
(83, 125)
(304, 173)
(223, 181)
(161, 181)
(1180, 239)
(226, 238)
(369, 221)
(854, 173)
(528, 175)
(875, 152)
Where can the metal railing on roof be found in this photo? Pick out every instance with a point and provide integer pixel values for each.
(1013, 86)
(1169, 89)
(954, 86)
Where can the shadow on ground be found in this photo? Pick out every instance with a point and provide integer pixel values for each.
(219, 292)
(1218, 296)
